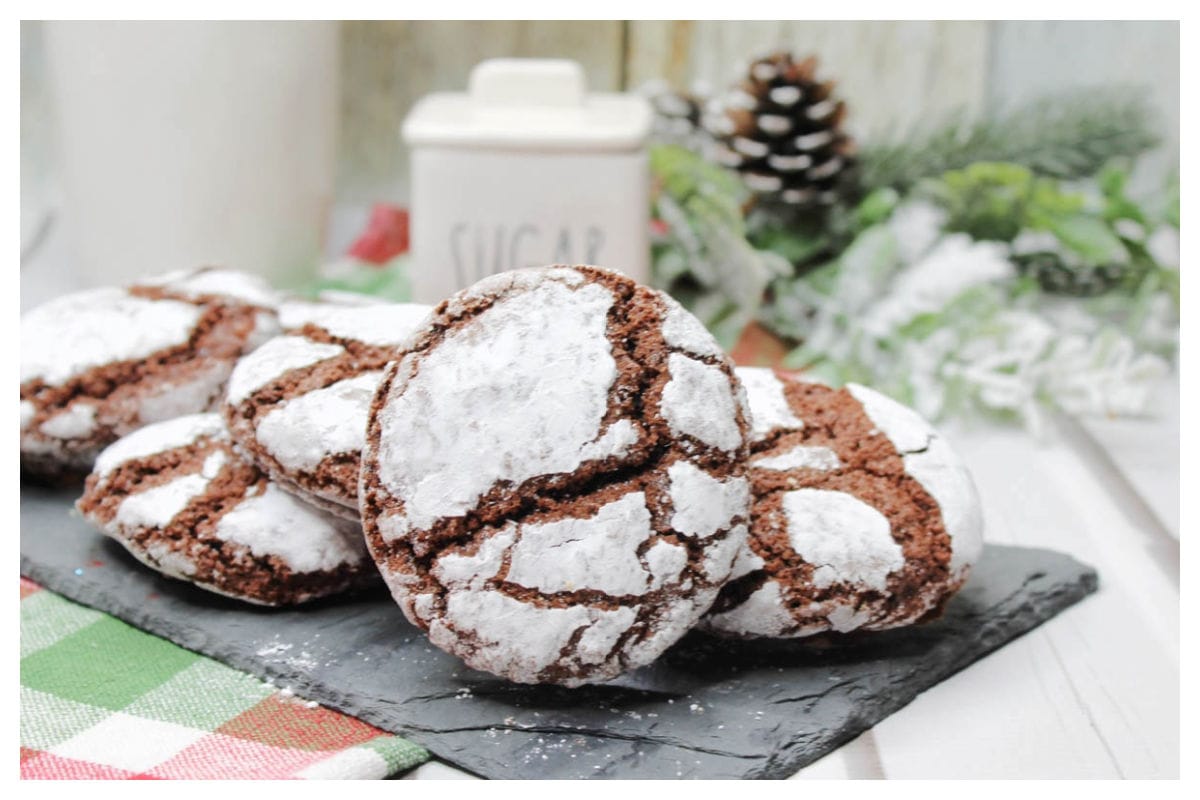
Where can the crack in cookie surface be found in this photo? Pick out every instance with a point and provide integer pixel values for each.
(844, 535)
(298, 407)
(595, 500)
(179, 499)
(101, 363)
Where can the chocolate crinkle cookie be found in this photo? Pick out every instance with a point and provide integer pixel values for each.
(863, 517)
(553, 484)
(297, 406)
(179, 498)
(98, 364)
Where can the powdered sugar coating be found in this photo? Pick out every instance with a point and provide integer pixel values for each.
(239, 533)
(171, 563)
(300, 433)
(745, 562)
(699, 402)
(160, 438)
(843, 618)
(272, 360)
(769, 409)
(839, 492)
(156, 507)
(800, 457)
(683, 331)
(173, 400)
(929, 459)
(666, 561)
(99, 364)
(266, 325)
(377, 324)
(599, 552)
(571, 529)
(78, 421)
(522, 640)
(510, 282)
(77, 332)
(343, 297)
(307, 431)
(763, 612)
(274, 523)
(846, 540)
(721, 555)
(473, 571)
(209, 281)
(28, 411)
(532, 373)
(704, 505)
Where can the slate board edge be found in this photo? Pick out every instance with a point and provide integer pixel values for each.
(1052, 605)
(193, 639)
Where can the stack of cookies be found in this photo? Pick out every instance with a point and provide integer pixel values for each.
(557, 472)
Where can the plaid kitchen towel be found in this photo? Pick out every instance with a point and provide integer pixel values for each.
(100, 699)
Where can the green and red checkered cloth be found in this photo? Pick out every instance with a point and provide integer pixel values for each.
(100, 699)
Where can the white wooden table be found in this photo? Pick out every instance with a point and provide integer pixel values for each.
(1093, 693)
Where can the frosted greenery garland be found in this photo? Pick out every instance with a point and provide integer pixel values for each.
(912, 304)
(942, 321)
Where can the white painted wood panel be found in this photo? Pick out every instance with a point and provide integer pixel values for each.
(1029, 59)
(1093, 692)
(388, 66)
(1143, 454)
(892, 74)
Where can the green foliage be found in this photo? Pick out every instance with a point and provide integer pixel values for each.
(1089, 237)
(1067, 136)
(389, 282)
(1002, 265)
(706, 259)
(996, 201)
(1172, 212)
(693, 181)
(1097, 245)
(875, 208)
(797, 245)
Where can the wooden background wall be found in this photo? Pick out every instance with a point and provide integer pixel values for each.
(893, 74)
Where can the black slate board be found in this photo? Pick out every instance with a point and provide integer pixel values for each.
(707, 709)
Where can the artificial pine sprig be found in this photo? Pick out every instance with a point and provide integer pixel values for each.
(1068, 136)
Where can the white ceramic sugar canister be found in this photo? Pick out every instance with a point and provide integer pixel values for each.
(526, 168)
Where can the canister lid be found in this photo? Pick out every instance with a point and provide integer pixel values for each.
(516, 103)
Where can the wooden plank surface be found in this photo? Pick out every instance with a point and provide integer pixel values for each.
(892, 74)
(1093, 693)
(1143, 454)
(388, 66)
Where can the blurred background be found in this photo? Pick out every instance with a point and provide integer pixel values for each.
(970, 216)
(893, 74)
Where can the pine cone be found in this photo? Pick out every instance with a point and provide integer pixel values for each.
(677, 114)
(1076, 280)
(781, 129)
